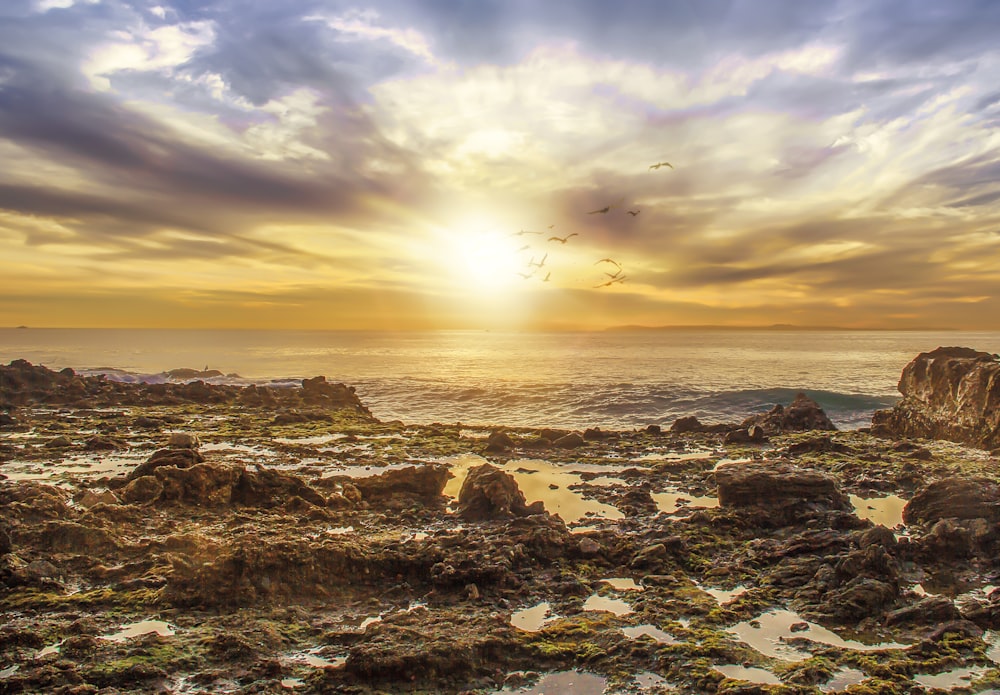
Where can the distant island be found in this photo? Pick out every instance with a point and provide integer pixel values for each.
(771, 327)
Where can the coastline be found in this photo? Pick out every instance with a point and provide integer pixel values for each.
(287, 540)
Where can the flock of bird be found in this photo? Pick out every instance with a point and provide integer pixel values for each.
(534, 267)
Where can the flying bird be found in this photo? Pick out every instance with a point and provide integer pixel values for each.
(661, 164)
(601, 211)
(547, 276)
(551, 226)
(527, 275)
(562, 239)
(523, 248)
(523, 232)
(633, 212)
(613, 276)
(610, 282)
(540, 263)
(609, 260)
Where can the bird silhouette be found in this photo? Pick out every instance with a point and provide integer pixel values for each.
(523, 248)
(551, 226)
(562, 239)
(661, 164)
(614, 275)
(609, 260)
(547, 276)
(611, 282)
(540, 263)
(527, 275)
(633, 212)
(601, 211)
(523, 232)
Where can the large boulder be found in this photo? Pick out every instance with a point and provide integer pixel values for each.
(954, 498)
(950, 393)
(414, 483)
(776, 485)
(178, 458)
(490, 493)
(801, 415)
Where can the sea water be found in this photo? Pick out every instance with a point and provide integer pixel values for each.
(609, 379)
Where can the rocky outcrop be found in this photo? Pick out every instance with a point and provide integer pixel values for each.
(490, 493)
(950, 393)
(776, 485)
(179, 458)
(801, 415)
(424, 484)
(954, 498)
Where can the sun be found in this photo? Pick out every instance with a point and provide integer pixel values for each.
(488, 261)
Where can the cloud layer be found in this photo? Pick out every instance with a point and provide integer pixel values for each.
(323, 164)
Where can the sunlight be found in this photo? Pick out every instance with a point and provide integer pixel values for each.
(487, 261)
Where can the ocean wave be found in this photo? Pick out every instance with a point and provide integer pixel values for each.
(572, 405)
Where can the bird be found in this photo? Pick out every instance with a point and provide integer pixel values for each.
(609, 260)
(613, 276)
(540, 263)
(633, 212)
(601, 211)
(661, 164)
(547, 276)
(562, 239)
(551, 226)
(523, 232)
(610, 282)
(523, 248)
(527, 275)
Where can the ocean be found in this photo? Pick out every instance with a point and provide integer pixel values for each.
(612, 379)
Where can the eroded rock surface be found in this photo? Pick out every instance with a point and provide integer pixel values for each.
(950, 393)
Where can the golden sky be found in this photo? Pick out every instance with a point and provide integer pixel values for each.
(326, 164)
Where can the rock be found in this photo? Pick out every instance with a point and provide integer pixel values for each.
(595, 434)
(7, 420)
(950, 393)
(179, 458)
(777, 485)
(291, 417)
(588, 546)
(5, 545)
(91, 499)
(754, 434)
(653, 429)
(954, 498)
(686, 424)
(931, 610)
(490, 493)
(102, 443)
(572, 440)
(267, 488)
(203, 484)
(802, 415)
(947, 540)
(821, 444)
(147, 423)
(415, 483)
(183, 440)
(61, 442)
(142, 490)
(185, 373)
(499, 441)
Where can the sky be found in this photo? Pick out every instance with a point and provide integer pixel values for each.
(422, 164)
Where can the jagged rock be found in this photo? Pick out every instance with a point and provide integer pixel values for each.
(801, 415)
(203, 484)
(91, 499)
(588, 546)
(954, 498)
(60, 442)
(69, 536)
(8, 420)
(823, 443)
(499, 441)
(490, 493)
(425, 483)
(102, 443)
(572, 440)
(931, 610)
(754, 434)
(653, 429)
(5, 545)
(267, 488)
(179, 458)
(142, 490)
(183, 440)
(947, 540)
(686, 424)
(777, 485)
(950, 393)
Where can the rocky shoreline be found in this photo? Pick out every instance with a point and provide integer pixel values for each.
(193, 538)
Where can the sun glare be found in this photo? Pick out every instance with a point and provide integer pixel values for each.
(487, 261)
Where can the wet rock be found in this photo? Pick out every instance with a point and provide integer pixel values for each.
(183, 440)
(147, 423)
(777, 485)
(821, 444)
(931, 610)
(572, 440)
(35, 501)
(801, 415)
(595, 434)
(588, 546)
(291, 417)
(267, 488)
(686, 424)
(91, 499)
(653, 429)
(754, 434)
(5, 545)
(8, 420)
(499, 441)
(860, 598)
(203, 484)
(61, 442)
(187, 373)
(103, 443)
(424, 484)
(490, 493)
(954, 498)
(69, 536)
(949, 393)
(142, 490)
(947, 540)
(178, 458)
